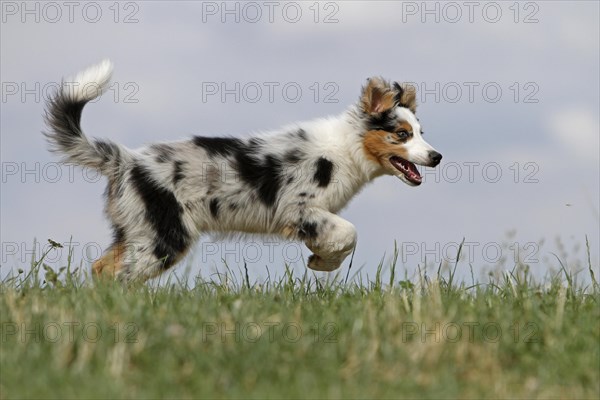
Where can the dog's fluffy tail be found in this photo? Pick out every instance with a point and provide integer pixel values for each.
(63, 116)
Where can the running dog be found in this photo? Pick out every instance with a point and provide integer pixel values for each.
(289, 183)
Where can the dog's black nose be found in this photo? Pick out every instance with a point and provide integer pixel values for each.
(435, 157)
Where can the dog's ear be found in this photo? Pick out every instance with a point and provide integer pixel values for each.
(376, 96)
(406, 96)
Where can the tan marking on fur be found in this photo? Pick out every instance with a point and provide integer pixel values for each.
(404, 126)
(110, 263)
(409, 97)
(377, 96)
(378, 149)
(288, 232)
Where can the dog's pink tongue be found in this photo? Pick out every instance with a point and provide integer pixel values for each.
(408, 169)
(414, 173)
(411, 172)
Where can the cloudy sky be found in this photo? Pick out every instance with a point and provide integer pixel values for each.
(508, 92)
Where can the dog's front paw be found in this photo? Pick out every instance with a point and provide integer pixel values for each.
(318, 263)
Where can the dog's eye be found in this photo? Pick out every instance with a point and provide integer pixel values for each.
(402, 135)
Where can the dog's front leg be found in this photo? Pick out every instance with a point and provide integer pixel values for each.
(330, 237)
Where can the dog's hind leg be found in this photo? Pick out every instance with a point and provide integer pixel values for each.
(129, 263)
(330, 237)
(110, 263)
(142, 263)
(137, 261)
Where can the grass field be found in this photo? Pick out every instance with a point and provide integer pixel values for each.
(302, 337)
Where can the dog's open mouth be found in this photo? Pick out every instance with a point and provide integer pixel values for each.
(408, 169)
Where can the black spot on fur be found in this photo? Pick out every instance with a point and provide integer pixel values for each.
(265, 176)
(399, 92)
(233, 206)
(118, 234)
(398, 97)
(163, 212)
(307, 230)
(214, 207)
(178, 171)
(302, 194)
(293, 156)
(384, 121)
(107, 150)
(164, 153)
(64, 117)
(218, 146)
(324, 170)
(302, 134)
(255, 143)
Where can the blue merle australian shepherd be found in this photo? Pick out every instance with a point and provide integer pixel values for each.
(289, 183)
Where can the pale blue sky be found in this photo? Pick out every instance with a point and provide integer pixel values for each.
(541, 132)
